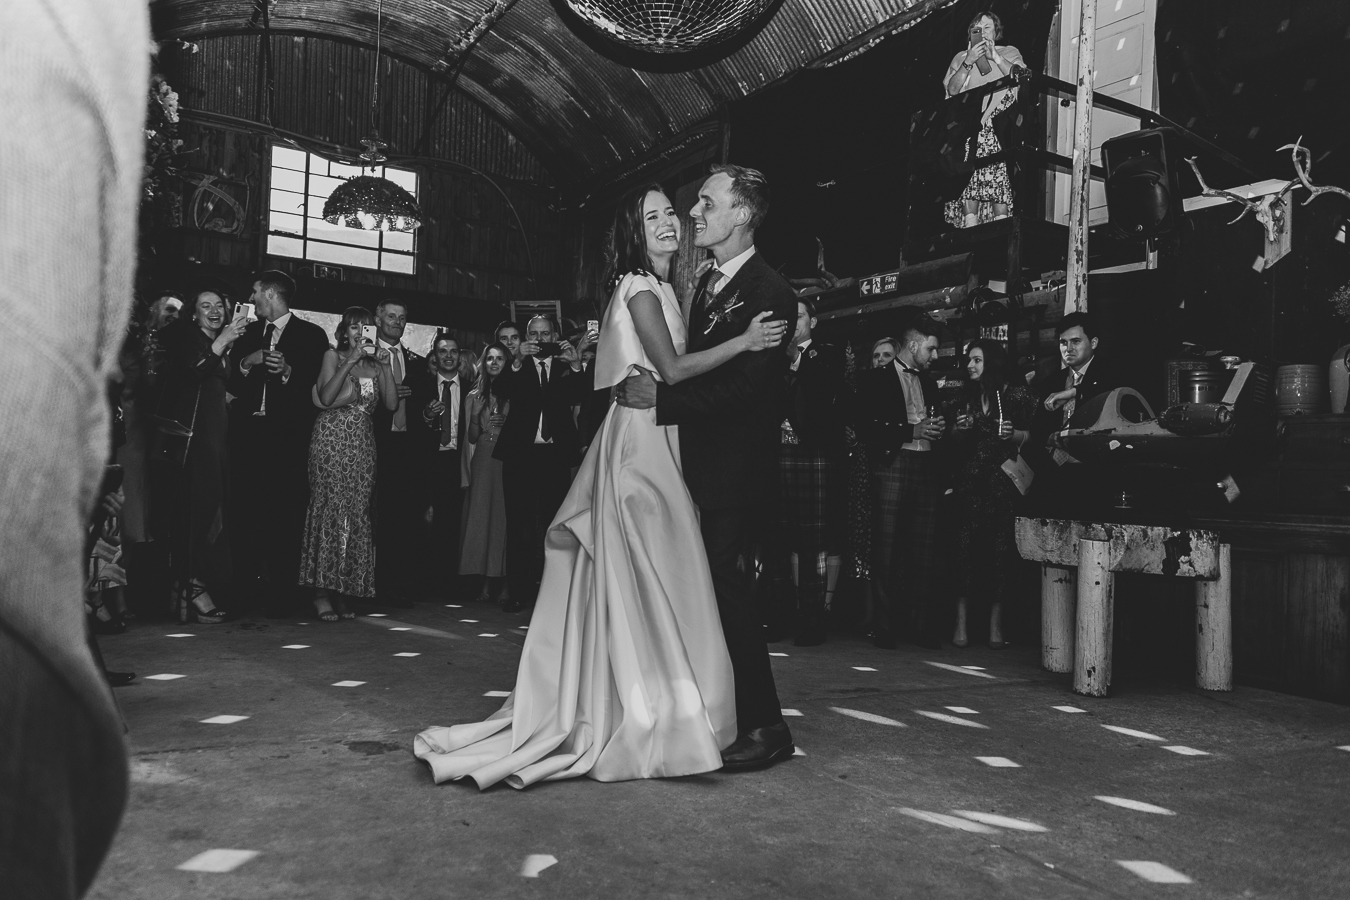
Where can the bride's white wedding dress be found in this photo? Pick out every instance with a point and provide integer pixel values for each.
(625, 672)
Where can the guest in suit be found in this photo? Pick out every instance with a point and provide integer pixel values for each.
(273, 369)
(729, 437)
(812, 489)
(444, 442)
(903, 438)
(195, 372)
(483, 546)
(538, 447)
(401, 503)
(508, 335)
(1082, 377)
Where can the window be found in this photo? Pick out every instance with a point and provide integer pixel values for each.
(301, 182)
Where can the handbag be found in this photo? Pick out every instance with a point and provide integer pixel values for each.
(1020, 472)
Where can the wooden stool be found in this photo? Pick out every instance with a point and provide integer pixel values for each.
(1078, 610)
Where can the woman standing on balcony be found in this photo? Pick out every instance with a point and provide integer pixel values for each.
(988, 196)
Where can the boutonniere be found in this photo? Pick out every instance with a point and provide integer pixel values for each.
(811, 354)
(723, 311)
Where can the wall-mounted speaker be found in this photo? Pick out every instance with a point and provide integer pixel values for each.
(1143, 185)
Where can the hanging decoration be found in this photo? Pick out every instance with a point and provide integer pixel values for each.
(668, 26)
(371, 202)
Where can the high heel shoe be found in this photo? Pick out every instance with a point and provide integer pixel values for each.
(188, 610)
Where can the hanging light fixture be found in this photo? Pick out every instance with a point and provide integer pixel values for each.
(370, 202)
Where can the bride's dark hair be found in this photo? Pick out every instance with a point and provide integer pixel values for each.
(627, 251)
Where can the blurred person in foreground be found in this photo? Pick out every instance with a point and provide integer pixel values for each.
(74, 72)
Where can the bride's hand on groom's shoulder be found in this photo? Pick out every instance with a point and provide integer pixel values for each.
(637, 391)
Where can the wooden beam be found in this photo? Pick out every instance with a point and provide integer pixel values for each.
(1150, 549)
(1076, 299)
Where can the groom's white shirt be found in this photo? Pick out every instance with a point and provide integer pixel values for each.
(730, 268)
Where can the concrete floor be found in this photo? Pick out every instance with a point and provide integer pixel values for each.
(320, 780)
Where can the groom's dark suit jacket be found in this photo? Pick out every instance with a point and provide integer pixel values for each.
(729, 417)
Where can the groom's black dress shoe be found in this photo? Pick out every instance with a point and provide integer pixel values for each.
(757, 748)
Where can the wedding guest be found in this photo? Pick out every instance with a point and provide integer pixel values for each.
(902, 434)
(196, 370)
(811, 495)
(988, 195)
(74, 72)
(338, 548)
(508, 335)
(884, 351)
(401, 503)
(444, 445)
(860, 474)
(994, 423)
(483, 551)
(538, 447)
(274, 367)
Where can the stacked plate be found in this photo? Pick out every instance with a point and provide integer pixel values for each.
(1300, 390)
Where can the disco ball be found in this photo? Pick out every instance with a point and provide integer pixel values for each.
(668, 26)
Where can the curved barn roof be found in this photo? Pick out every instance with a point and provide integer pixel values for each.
(582, 113)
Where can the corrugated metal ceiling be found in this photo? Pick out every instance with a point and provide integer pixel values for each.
(581, 113)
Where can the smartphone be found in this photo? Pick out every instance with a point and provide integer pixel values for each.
(983, 64)
(369, 333)
(246, 310)
(547, 349)
(592, 326)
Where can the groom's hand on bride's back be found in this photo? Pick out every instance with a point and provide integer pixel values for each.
(637, 391)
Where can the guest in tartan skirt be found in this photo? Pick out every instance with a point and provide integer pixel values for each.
(812, 488)
(907, 482)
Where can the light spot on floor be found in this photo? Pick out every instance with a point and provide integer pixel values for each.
(165, 677)
(218, 861)
(954, 720)
(469, 621)
(376, 616)
(223, 720)
(407, 654)
(948, 821)
(180, 635)
(792, 712)
(536, 863)
(867, 717)
(1068, 709)
(1154, 871)
(961, 669)
(497, 694)
(487, 635)
(863, 669)
(1186, 751)
(798, 751)
(778, 654)
(999, 821)
(348, 683)
(295, 646)
(963, 710)
(1136, 805)
(400, 629)
(1132, 733)
(999, 762)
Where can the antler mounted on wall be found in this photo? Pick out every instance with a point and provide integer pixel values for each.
(1271, 210)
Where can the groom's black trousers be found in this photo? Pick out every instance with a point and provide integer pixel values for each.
(730, 536)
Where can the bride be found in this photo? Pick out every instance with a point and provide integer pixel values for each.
(625, 672)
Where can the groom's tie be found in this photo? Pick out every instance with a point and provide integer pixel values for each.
(715, 275)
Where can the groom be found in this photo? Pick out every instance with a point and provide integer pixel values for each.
(729, 432)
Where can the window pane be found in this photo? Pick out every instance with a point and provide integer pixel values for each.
(345, 256)
(285, 246)
(342, 170)
(291, 224)
(396, 262)
(321, 186)
(287, 202)
(398, 240)
(288, 158)
(341, 234)
(404, 179)
(288, 180)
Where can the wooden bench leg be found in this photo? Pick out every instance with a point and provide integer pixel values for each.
(1059, 596)
(1096, 615)
(1214, 627)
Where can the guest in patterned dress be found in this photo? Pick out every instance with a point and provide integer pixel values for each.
(338, 555)
(995, 423)
(483, 551)
(988, 196)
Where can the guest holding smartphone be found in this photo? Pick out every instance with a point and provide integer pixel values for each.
(338, 555)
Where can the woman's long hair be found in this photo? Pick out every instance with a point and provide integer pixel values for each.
(627, 251)
(351, 316)
(484, 385)
(995, 375)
